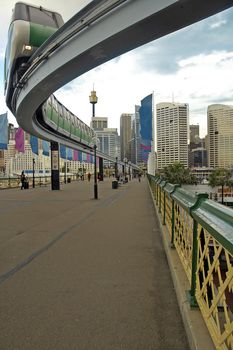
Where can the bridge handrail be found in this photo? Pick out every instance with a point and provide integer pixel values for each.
(201, 231)
(187, 200)
(39, 180)
(218, 220)
(170, 188)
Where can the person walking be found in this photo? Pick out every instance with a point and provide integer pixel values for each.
(139, 177)
(22, 178)
(89, 176)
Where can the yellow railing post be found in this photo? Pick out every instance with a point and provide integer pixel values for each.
(193, 301)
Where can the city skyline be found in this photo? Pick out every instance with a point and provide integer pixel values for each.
(190, 66)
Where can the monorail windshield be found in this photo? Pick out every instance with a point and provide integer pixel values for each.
(37, 15)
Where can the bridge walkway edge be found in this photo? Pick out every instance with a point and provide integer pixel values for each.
(196, 330)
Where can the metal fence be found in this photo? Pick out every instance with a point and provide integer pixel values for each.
(15, 182)
(201, 231)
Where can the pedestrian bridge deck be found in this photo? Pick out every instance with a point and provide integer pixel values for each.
(78, 273)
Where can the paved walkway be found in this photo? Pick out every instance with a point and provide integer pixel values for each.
(84, 274)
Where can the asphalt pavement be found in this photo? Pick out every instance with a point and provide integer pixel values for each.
(83, 274)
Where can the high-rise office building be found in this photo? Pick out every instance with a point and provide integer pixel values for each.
(108, 137)
(108, 142)
(220, 135)
(125, 135)
(194, 133)
(146, 129)
(135, 141)
(142, 132)
(197, 156)
(172, 133)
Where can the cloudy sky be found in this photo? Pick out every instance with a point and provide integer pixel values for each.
(193, 65)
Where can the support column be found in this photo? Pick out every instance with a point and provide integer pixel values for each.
(55, 166)
(116, 168)
(33, 172)
(95, 176)
(101, 169)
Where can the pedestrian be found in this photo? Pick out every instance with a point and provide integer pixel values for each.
(89, 176)
(139, 177)
(22, 178)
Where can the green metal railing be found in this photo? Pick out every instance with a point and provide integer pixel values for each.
(201, 231)
(14, 182)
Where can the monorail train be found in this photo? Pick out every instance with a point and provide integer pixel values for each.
(64, 122)
(30, 27)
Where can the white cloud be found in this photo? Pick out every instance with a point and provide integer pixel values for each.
(218, 24)
(195, 65)
(120, 84)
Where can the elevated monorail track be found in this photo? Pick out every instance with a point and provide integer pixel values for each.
(104, 29)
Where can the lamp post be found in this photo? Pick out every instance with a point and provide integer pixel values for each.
(65, 166)
(33, 172)
(95, 174)
(125, 161)
(83, 172)
(95, 141)
(93, 100)
(129, 163)
(116, 168)
(65, 172)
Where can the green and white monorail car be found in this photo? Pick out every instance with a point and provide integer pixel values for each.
(30, 26)
(63, 121)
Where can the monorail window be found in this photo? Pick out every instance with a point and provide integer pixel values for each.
(8, 49)
(72, 119)
(67, 116)
(55, 106)
(36, 15)
(60, 110)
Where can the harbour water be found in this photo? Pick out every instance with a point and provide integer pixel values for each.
(200, 188)
(212, 192)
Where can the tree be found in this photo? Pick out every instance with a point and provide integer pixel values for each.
(220, 177)
(176, 173)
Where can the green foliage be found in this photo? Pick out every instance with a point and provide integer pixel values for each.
(220, 177)
(176, 173)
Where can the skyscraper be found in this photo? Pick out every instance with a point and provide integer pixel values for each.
(146, 128)
(220, 135)
(108, 137)
(135, 141)
(172, 133)
(194, 133)
(125, 135)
